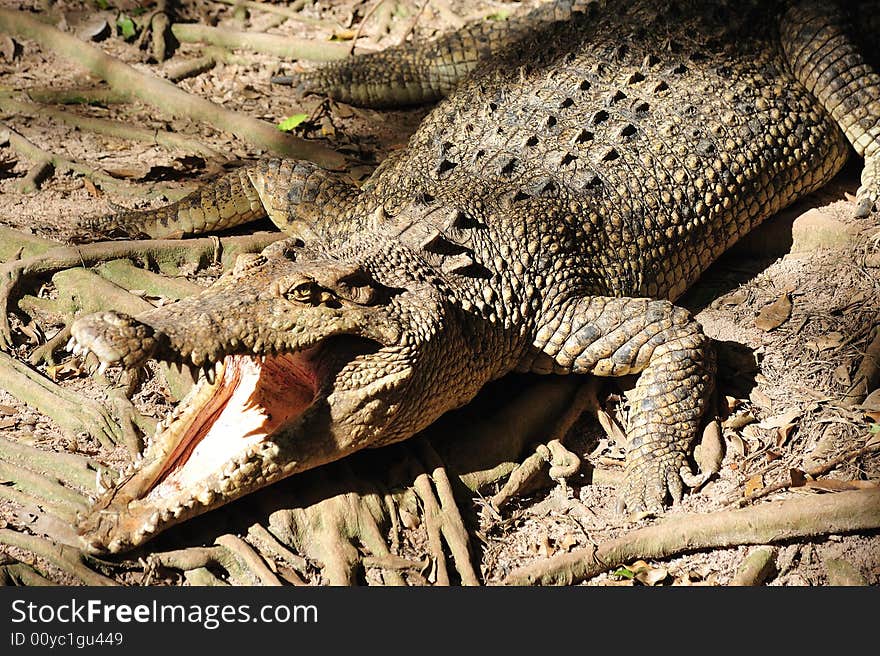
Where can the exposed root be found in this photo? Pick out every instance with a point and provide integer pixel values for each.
(163, 138)
(44, 163)
(74, 414)
(756, 567)
(272, 44)
(23, 575)
(447, 515)
(811, 516)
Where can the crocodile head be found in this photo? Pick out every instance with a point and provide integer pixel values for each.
(305, 358)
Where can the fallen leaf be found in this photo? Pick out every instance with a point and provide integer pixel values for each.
(731, 403)
(774, 315)
(798, 478)
(871, 402)
(652, 576)
(623, 573)
(8, 422)
(782, 419)
(91, 189)
(760, 398)
(737, 445)
(292, 122)
(6, 410)
(754, 484)
(96, 29)
(783, 433)
(544, 547)
(735, 298)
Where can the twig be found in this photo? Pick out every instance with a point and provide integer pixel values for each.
(163, 138)
(360, 27)
(291, 11)
(164, 95)
(755, 568)
(771, 522)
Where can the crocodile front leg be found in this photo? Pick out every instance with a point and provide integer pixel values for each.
(298, 196)
(618, 336)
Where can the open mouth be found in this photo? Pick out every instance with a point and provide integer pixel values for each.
(226, 424)
(217, 445)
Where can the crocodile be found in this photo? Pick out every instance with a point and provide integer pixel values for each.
(577, 178)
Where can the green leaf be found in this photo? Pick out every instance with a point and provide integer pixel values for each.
(126, 26)
(874, 428)
(623, 573)
(292, 122)
(500, 15)
(102, 4)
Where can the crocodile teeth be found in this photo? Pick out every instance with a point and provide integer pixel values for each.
(71, 344)
(206, 497)
(210, 374)
(102, 368)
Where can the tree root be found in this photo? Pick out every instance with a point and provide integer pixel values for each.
(756, 567)
(163, 138)
(563, 462)
(78, 96)
(71, 468)
(74, 414)
(237, 561)
(771, 522)
(164, 95)
(23, 575)
(270, 44)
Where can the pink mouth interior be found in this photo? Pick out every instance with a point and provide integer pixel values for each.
(253, 400)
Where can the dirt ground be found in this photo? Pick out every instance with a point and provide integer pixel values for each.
(793, 310)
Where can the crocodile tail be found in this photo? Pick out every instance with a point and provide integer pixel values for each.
(418, 73)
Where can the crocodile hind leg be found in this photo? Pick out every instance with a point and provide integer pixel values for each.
(298, 196)
(828, 61)
(618, 336)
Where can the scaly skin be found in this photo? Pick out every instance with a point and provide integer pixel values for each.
(543, 218)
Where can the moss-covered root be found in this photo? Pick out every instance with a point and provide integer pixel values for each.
(770, 522)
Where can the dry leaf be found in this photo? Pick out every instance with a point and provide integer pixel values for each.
(544, 547)
(731, 404)
(774, 315)
(6, 410)
(754, 484)
(735, 298)
(9, 49)
(783, 433)
(780, 420)
(872, 401)
(825, 342)
(8, 422)
(798, 478)
(92, 190)
(646, 574)
(711, 448)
